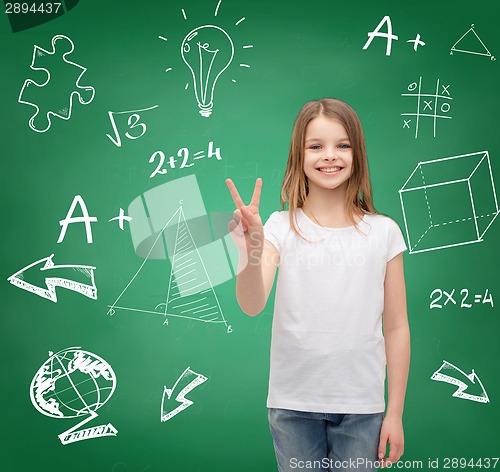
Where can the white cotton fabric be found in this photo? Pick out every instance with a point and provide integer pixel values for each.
(327, 349)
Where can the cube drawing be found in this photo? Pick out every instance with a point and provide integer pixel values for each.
(449, 202)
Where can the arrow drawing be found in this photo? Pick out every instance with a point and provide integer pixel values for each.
(191, 380)
(454, 377)
(55, 275)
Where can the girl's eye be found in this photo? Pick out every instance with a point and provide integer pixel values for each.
(344, 146)
(315, 147)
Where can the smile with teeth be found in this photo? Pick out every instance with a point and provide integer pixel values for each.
(329, 170)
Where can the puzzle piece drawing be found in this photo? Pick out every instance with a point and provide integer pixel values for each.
(54, 96)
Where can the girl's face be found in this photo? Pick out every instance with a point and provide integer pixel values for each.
(327, 154)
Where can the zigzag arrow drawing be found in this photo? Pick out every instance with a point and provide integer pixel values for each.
(55, 276)
(168, 410)
(454, 377)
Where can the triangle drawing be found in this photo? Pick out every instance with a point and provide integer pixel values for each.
(470, 43)
(190, 293)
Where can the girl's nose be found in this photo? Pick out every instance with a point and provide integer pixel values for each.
(330, 154)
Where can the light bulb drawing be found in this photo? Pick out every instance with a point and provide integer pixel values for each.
(207, 51)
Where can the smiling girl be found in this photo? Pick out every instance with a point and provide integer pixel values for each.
(340, 314)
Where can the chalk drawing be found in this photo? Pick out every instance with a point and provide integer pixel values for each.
(64, 276)
(376, 33)
(189, 277)
(170, 405)
(389, 37)
(449, 202)
(132, 122)
(217, 8)
(471, 43)
(63, 83)
(416, 42)
(453, 375)
(121, 218)
(210, 229)
(438, 293)
(183, 154)
(190, 292)
(74, 383)
(435, 106)
(207, 51)
(70, 219)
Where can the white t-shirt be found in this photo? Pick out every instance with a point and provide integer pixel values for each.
(327, 349)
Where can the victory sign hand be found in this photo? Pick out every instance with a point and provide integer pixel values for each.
(246, 227)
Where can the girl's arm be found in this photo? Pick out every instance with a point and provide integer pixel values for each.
(258, 258)
(397, 346)
(255, 279)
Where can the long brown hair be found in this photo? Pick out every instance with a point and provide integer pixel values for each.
(295, 188)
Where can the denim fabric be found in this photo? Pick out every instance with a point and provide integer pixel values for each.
(305, 441)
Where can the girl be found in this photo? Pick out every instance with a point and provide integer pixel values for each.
(340, 272)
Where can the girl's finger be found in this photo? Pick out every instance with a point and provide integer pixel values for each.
(247, 215)
(237, 216)
(249, 218)
(395, 453)
(234, 193)
(256, 193)
(382, 445)
(239, 220)
(234, 226)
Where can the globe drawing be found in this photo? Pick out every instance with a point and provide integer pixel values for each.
(72, 383)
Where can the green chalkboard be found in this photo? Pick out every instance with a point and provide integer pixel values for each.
(115, 152)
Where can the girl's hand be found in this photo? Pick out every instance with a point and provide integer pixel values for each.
(246, 227)
(392, 434)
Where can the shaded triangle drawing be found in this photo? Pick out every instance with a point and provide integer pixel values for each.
(190, 293)
(470, 43)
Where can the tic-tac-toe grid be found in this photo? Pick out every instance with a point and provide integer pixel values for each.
(428, 105)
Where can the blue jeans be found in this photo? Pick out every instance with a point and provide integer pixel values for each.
(306, 441)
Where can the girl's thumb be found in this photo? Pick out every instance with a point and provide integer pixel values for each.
(245, 212)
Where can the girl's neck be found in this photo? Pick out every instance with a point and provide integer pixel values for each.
(326, 207)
